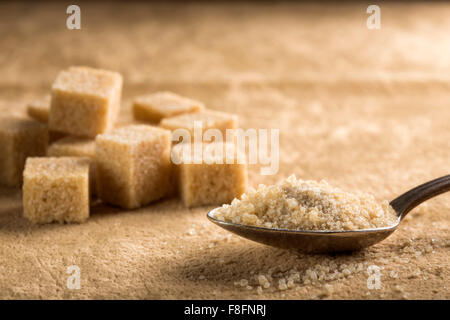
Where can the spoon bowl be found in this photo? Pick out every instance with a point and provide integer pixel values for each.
(314, 241)
(322, 241)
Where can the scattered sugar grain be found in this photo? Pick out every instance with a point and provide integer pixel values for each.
(259, 290)
(282, 284)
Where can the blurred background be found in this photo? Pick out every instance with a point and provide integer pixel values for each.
(312, 69)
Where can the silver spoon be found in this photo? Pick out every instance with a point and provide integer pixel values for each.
(332, 241)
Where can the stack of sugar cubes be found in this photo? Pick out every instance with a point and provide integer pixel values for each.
(128, 166)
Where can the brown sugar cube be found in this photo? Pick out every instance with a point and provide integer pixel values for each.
(85, 101)
(56, 189)
(75, 147)
(133, 165)
(72, 147)
(208, 119)
(156, 106)
(39, 109)
(212, 179)
(55, 136)
(19, 138)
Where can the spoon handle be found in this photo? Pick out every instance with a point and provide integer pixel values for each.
(412, 198)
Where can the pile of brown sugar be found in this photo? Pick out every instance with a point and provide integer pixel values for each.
(307, 205)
